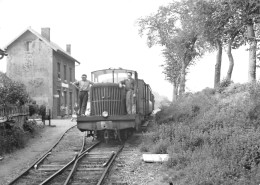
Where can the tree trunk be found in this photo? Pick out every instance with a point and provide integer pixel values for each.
(182, 79)
(231, 59)
(252, 53)
(175, 91)
(218, 64)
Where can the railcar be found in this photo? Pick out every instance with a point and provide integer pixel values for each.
(107, 116)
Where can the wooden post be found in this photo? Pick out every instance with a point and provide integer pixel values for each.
(48, 116)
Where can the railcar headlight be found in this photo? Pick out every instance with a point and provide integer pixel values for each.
(105, 114)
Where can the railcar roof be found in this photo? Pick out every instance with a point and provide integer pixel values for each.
(110, 70)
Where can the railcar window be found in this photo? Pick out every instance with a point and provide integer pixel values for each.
(105, 78)
(120, 76)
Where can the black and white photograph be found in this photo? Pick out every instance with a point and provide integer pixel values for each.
(130, 92)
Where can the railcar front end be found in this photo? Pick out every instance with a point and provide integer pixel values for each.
(107, 115)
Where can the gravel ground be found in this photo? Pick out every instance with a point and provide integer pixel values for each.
(13, 164)
(130, 169)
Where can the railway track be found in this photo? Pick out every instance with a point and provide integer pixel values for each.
(93, 165)
(72, 160)
(63, 151)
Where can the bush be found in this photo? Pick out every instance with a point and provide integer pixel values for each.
(12, 92)
(13, 137)
(42, 110)
(223, 85)
(30, 126)
(33, 109)
(147, 142)
(212, 137)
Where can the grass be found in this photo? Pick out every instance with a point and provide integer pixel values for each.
(212, 137)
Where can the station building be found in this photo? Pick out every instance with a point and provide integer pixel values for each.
(45, 69)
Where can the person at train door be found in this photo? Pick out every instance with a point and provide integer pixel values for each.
(84, 87)
(130, 95)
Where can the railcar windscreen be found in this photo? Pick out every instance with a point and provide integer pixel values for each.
(111, 76)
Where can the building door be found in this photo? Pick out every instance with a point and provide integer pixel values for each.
(65, 100)
(58, 103)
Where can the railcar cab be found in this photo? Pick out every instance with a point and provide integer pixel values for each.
(106, 94)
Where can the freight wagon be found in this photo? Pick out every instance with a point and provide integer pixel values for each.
(107, 116)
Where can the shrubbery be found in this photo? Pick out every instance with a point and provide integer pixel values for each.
(14, 94)
(33, 109)
(13, 137)
(212, 137)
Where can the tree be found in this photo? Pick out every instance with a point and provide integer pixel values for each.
(172, 68)
(226, 25)
(212, 29)
(183, 47)
(175, 27)
(12, 93)
(233, 36)
(160, 28)
(248, 12)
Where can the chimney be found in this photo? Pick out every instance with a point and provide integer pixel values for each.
(68, 48)
(46, 33)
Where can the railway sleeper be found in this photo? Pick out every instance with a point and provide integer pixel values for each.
(87, 177)
(93, 162)
(90, 169)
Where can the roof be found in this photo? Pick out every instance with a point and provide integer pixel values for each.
(54, 46)
(110, 70)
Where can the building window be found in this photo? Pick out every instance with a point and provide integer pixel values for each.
(70, 74)
(28, 45)
(58, 70)
(65, 72)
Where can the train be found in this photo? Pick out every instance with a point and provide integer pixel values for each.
(107, 115)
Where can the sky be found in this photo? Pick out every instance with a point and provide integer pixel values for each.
(104, 34)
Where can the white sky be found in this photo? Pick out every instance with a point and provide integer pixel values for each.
(103, 34)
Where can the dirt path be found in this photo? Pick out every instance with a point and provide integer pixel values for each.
(15, 163)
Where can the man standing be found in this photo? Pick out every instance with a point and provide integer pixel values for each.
(84, 87)
(130, 89)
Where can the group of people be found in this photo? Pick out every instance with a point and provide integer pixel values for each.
(84, 86)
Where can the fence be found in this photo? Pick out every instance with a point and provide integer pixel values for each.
(18, 113)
